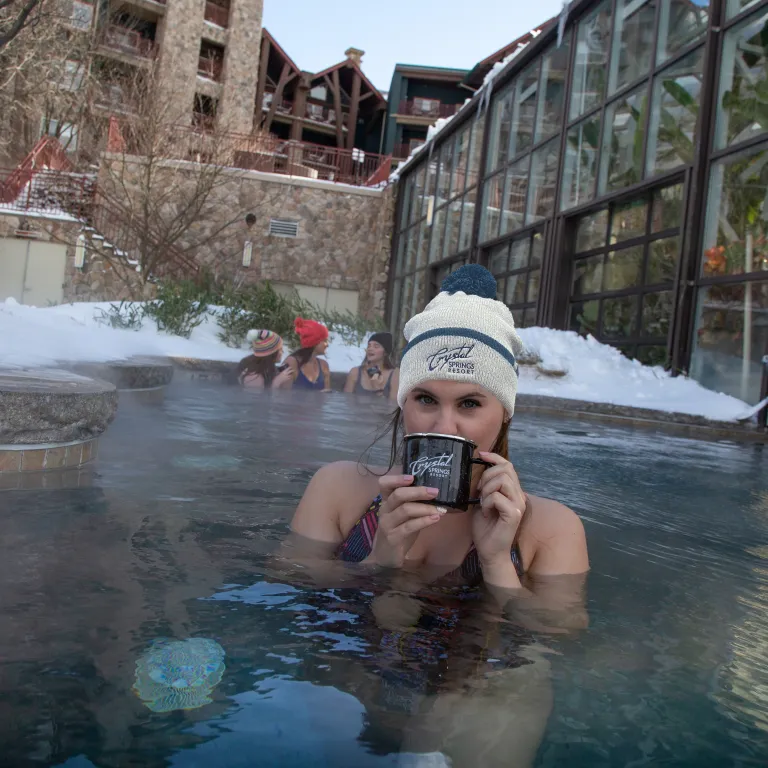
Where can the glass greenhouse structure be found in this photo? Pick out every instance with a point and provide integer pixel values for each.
(614, 178)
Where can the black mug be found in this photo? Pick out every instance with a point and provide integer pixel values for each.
(444, 462)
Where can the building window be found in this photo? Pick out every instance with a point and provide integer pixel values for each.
(554, 67)
(623, 270)
(319, 92)
(72, 76)
(592, 45)
(740, 110)
(516, 265)
(580, 162)
(682, 23)
(81, 16)
(632, 42)
(65, 132)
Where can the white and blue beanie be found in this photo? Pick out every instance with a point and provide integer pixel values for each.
(464, 334)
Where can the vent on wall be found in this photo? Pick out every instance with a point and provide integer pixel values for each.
(284, 227)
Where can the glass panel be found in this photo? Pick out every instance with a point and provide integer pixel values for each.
(622, 156)
(583, 317)
(441, 274)
(537, 249)
(592, 44)
(438, 236)
(628, 220)
(591, 231)
(588, 276)
(674, 114)
(736, 227)
(446, 166)
(580, 163)
(473, 167)
(524, 115)
(419, 292)
(632, 42)
(682, 23)
(407, 201)
(662, 261)
(515, 196)
(533, 285)
(467, 219)
(452, 229)
(554, 67)
(541, 201)
(394, 311)
(492, 207)
(652, 355)
(418, 194)
(741, 111)
(501, 126)
(735, 7)
(730, 339)
(401, 245)
(667, 208)
(518, 257)
(500, 286)
(623, 269)
(657, 314)
(619, 317)
(518, 315)
(497, 259)
(405, 307)
(515, 293)
(410, 254)
(423, 251)
(432, 168)
(460, 163)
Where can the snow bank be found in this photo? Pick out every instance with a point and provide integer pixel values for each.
(594, 372)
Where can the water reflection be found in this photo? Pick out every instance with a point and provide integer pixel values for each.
(672, 669)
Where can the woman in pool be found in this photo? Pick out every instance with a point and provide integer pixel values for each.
(309, 372)
(259, 370)
(458, 376)
(376, 375)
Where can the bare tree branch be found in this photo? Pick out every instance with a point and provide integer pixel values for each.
(13, 18)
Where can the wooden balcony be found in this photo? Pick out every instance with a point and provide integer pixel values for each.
(217, 14)
(403, 151)
(128, 41)
(427, 108)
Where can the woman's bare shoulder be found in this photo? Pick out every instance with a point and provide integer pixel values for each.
(550, 517)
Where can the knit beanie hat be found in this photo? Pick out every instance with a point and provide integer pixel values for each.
(385, 339)
(310, 332)
(463, 334)
(263, 343)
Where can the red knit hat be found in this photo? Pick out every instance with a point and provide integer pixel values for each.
(311, 333)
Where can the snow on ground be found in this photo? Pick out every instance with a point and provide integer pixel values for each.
(34, 337)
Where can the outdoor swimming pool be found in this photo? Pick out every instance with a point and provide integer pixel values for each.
(171, 541)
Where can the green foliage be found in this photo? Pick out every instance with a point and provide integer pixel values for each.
(178, 308)
(126, 316)
(261, 306)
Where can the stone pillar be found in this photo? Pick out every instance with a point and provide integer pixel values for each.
(241, 66)
(179, 54)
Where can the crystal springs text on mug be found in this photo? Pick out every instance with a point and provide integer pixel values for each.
(437, 466)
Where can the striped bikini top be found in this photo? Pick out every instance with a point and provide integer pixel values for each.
(359, 543)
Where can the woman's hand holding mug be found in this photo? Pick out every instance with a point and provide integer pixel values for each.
(403, 513)
(497, 518)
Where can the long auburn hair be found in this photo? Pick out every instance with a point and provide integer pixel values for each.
(500, 447)
(387, 362)
(263, 366)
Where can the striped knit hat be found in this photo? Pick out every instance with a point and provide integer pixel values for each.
(263, 343)
(463, 334)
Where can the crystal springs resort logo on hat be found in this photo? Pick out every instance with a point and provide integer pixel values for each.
(453, 359)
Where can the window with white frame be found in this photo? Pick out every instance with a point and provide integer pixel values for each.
(82, 15)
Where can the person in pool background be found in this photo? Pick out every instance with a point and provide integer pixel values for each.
(259, 369)
(458, 376)
(377, 374)
(309, 372)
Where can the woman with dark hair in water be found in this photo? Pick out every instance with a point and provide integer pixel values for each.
(259, 370)
(308, 371)
(377, 374)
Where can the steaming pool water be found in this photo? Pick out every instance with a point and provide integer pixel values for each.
(143, 623)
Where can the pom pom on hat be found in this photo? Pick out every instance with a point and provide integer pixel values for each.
(310, 332)
(263, 343)
(464, 334)
(471, 279)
